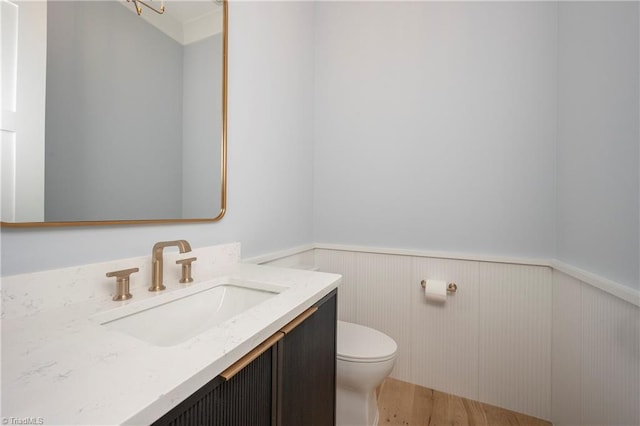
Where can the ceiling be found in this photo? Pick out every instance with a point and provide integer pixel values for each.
(185, 11)
(186, 21)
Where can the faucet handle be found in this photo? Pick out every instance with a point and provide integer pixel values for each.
(122, 283)
(186, 269)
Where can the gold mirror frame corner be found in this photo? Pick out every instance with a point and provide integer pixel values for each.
(223, 171)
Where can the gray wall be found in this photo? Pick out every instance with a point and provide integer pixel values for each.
(134, 123)
(436, 126)
(598, 93)
(270, 155)
(202, 118)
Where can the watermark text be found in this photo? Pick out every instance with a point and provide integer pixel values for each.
(22, 421)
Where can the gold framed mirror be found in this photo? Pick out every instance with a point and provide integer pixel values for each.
(113, 114)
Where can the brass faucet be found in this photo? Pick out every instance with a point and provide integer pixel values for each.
(157, 261)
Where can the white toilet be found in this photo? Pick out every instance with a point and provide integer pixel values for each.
(365, 357)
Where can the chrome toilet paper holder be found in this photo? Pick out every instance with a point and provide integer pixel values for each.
(451, 288)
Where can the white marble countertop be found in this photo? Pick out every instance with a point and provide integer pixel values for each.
(60, 366)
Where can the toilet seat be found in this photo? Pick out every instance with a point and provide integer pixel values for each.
(357, 343)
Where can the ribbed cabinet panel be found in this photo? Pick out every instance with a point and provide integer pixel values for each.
(307, 383)
(444, 337)
(246, 399)
(514, 355)
(383, 292)
(610, 379)
(344, 263)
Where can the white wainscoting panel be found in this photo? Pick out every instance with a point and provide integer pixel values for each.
(610, 379)
(515, 337)
(383, 292)
(444, 337)
(522, 337)
(595, 356)
(566, 355)
(342, 262)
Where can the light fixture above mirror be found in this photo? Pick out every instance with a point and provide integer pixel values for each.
(137, 4)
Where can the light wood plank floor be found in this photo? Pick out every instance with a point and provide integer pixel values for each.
(402, 403)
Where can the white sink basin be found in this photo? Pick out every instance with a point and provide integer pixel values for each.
(179, 317)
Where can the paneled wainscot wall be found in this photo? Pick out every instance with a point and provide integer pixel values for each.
(521, 336)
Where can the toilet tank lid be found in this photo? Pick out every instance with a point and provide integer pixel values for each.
(356, 342)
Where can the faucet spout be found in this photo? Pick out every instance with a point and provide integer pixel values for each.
(157, 261)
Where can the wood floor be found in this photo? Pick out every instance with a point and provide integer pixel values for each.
(401, 403)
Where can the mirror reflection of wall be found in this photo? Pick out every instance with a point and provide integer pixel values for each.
(201, 127)
(133, 117)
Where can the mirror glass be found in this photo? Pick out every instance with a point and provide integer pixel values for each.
(131, 109)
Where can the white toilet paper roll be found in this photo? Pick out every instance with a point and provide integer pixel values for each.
(436, 290)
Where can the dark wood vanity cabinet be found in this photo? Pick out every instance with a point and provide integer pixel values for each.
(245, 399)
(290, 382)
(307, 369)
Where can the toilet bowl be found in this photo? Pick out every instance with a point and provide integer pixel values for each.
(365, 357)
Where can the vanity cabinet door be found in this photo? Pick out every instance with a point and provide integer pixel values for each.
(288, 380)
(307, 369)
(246, 399)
